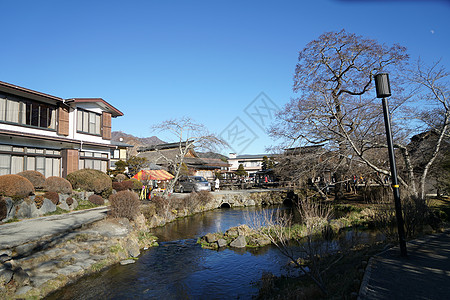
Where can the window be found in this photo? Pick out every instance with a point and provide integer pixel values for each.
(27, 112)
(88, 122)
(19, 159)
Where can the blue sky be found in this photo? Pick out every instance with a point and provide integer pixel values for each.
(213, 61)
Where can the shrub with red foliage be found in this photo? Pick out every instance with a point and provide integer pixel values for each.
(124, 204)
(36, 178)
(96, 199)
(58, 185)
(69, 201)
(129, 184)
(118, 186)
(52, 196)
(15, 186)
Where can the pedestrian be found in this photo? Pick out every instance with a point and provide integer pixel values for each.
(217, 183)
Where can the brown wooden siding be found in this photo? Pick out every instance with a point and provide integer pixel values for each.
(106, 126)
(69, 161)
(63, 121)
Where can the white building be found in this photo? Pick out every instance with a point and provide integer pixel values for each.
(52, 135)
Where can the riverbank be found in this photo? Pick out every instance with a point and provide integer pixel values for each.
(35, 269)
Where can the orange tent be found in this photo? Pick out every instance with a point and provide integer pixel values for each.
(153, 175)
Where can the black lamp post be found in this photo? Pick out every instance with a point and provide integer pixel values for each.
(384, 90)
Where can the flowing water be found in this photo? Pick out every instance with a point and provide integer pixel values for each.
(180, 269)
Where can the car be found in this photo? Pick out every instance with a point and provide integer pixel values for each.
(193, 184)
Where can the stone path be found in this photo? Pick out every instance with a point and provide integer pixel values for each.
(423, 274)
(26, 231)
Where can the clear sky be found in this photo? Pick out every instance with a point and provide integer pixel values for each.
(214, 61)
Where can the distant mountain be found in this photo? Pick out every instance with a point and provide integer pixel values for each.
(135, 141)
(212, 155)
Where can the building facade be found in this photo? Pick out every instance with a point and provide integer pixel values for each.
(52, 135)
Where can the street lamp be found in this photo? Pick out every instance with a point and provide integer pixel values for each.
(384, 90)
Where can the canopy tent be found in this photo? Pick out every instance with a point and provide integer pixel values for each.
(153, 175)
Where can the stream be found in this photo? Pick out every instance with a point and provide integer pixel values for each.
(180, 269)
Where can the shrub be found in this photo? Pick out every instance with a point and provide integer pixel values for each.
(69, 201)
(197, 199)
(36, 178)
(124, 204)
(118, 186)
(15, 186)
(128, 185)
(58, 185)
(121, 177)
(3, 209)
(136, 185)
(96, 199)
(39, 201)
(52, 196)
(90, 180)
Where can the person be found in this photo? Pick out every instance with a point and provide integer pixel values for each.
(217, 183)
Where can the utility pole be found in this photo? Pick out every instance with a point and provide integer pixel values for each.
(384, 90)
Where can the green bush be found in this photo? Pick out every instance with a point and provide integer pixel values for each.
(36, 178)
(90, 180)
(58, 185)
(52, 196)
(96, 199)
(124, 204)
(15, 186)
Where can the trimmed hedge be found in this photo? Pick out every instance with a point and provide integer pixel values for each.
(52, 196)
(90, 180)
(36, 178)
(15, 186)
(96, 199)
(58, 185)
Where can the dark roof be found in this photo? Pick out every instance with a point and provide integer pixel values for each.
(121, 144)
(252, 156)
(114, 111)
(161, 147)
(24, 92)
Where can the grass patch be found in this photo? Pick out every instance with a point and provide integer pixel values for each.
(85, 204)
(58, 211)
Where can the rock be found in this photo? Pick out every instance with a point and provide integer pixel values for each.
(127, 262)
(47, 206)
(132, 247)
(6, 276)
(232, 232)
(25, 249)
(46, 266)
(250, 202)
(69, 270)
(4, 257)
(239, 242)
(23, 290)
(40, 279)
(23, 210)
(21, 277)
(64, 206)
(211, 238)
(262, 242)
(221, 243)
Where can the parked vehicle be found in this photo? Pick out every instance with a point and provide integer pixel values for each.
(193, 183)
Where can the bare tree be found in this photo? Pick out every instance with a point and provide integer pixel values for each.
(277, 227)
(188, 135)
(334, 79)
(433, 92)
